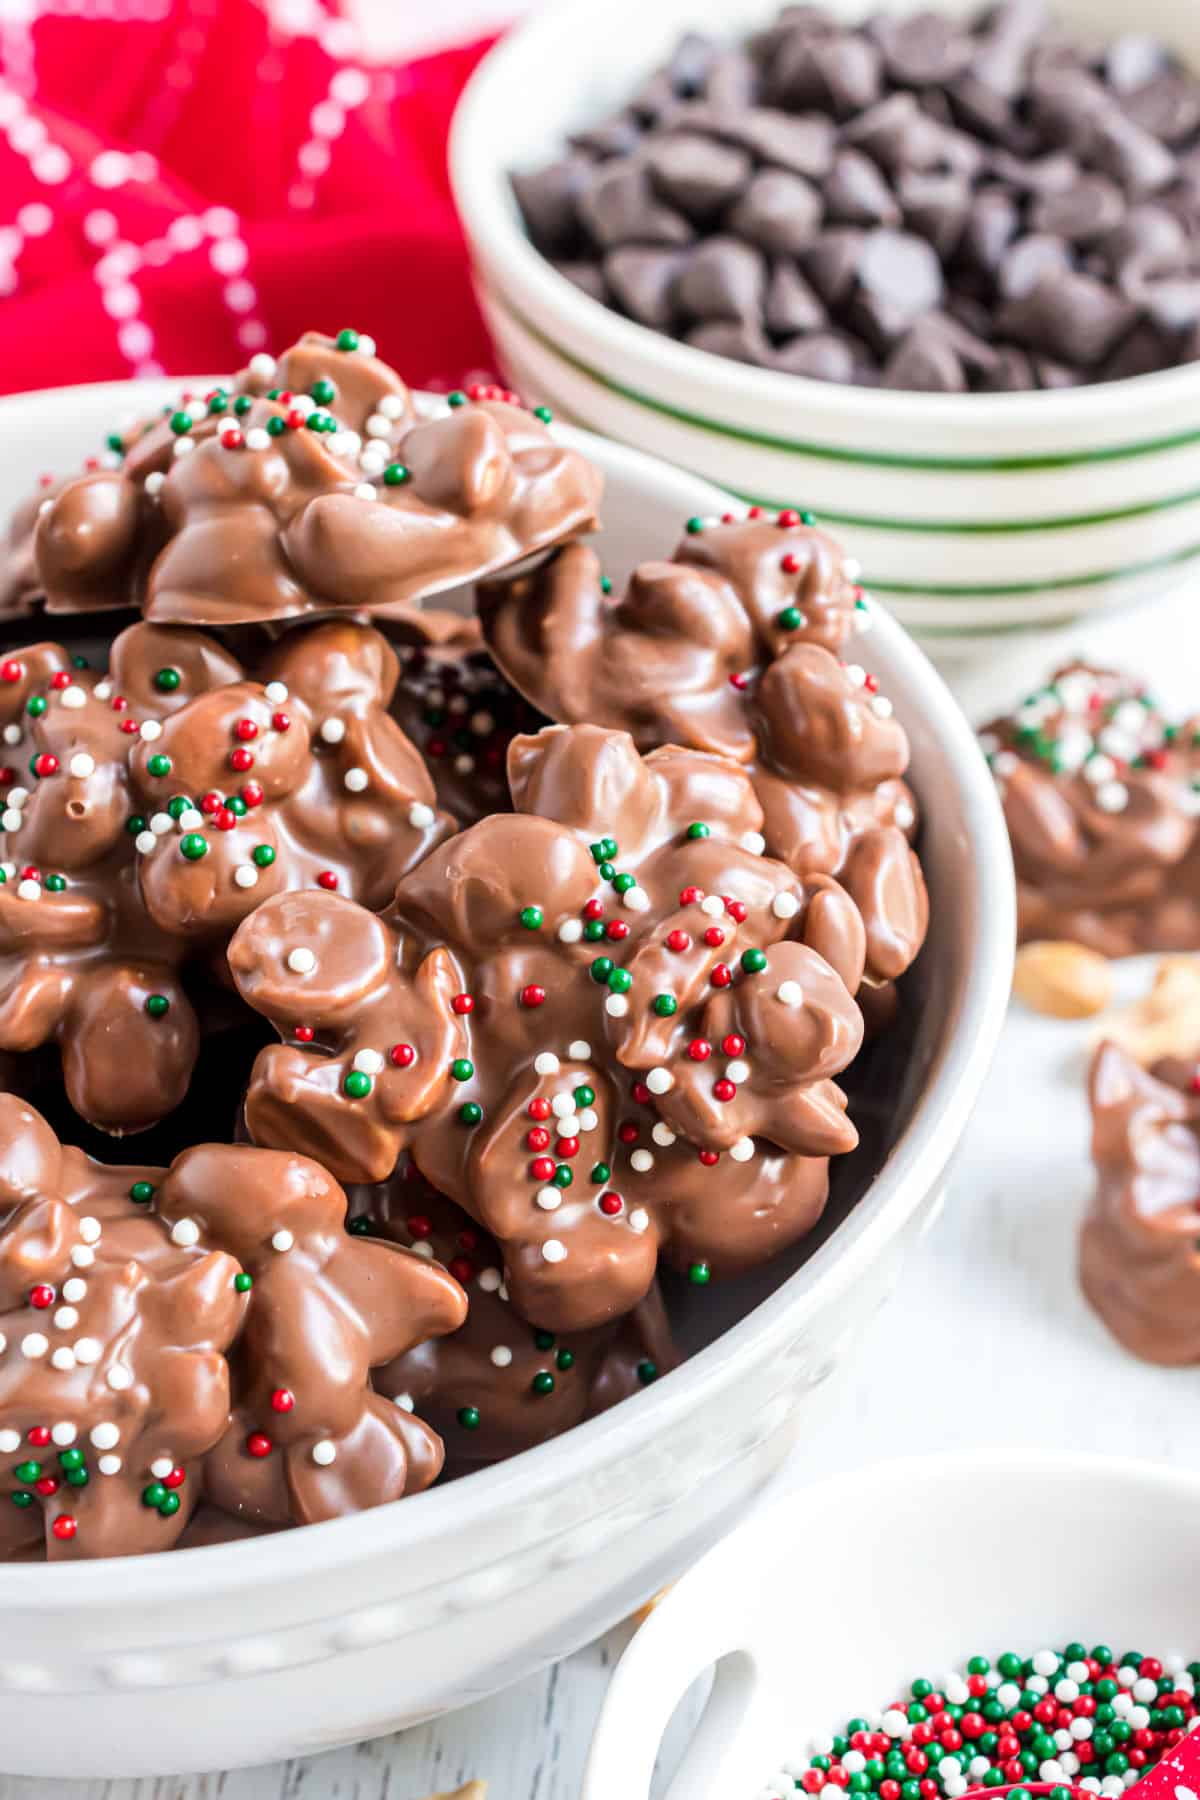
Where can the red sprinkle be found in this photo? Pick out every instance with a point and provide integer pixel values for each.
(462, 1269)
(699, 1050)
(304, 1034)
(787, 518)
(11, 670)
(723, 1089)
(678, 940)
(283, 1400)
(714, 937)
(60, 679)
(402, 1055)
(245, 730)
(327, 879)
(593, 909)
(252, 794)
(41, 1295)
(241, 759)
(46, 1485)
(419, 1226)
(690, 896)
(533, 995)
(721, 976)
(567, 1146)
(259, 1444)
(462, 1003)
(709, 1157)
(537, 1138)
(542, 1168)
(610, 1204)
(175, 1479)
(628, 1133)
(790, 564)
(45, 764)
(280, 721)
(39, 1435)
(65, 1527)
(539, 1108)
(211, 802)
(733, 1045)
(641, 1093)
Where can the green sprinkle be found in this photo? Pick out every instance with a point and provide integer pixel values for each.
(346, 339)
(180, 423)
(237, 806)
(531, 917)
(604, 851)
(607, 871)
(584, 1095)
(647, 1372)
(562, 1176)
(754, 961)
(565, 1360)
(461, 1069)
(36, 707)
(27, 1472)
(620, 981)
(357, 1085)
(699, 1274)
(55, 884)
(243, 1282)
(593, 931)
(623, 883)
(169, 1506)
(77, 1478)
(605, 585)
(601, 1172)
(167, 680)
(468, 1418)
(544, 414)
(698, 830)
(193, 846)
(242, 405)
(323, 391)
(22, 1500)
(543, 1382)
(695, 526)
(142, 1192)
(158, 765)
(262, 854)
(395, 475)
(276, 426)
(664, 1005)
(790, 619)
(544, 1340)
(157, 1005)
(471, 1113)
(601, 969)
(177, 805)
(114, 441)
(456, 398)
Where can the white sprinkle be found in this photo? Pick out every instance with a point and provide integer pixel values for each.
(73, 698)
(423, 1248)
(366, 344)
(405, 1402)
(368, 1062)
(549, 1199)
(546, 1063)
(568, 1125)
(333, 730)
(89, 1229)
(894, 1723)
(502, 1356)
(754, 842)
(578, 1051)
(190, 820)
(738, 1071)
(63, 1358)
(161, 823)
(392, 406)
(82, 1257)
(1045, 1662)
(1113, 797)
(743, 1150)
(9, 1440)
(356, 780)
(639, 1219)
(282, 1240)
(785, 906)
(276, 692)
(553, 1251)
(66, 1318)
(788, 993)
(636, 899)
(109, 1465)
(151, 485)
(162, 1465)
(303, 403)
(904, 815)
(301, 960)
(258, 439)
(10, 819)
(378, 427)
(18, 796)
(12, 734)
(119, 1377)
(713, 905)
(420, 816)
(464, 764)
(660, 1081)
(490, 1280)
(662, 1134)
(262, 364)
(246, 875)
(150, 729)
(63, 1433)
(589, 1118)
(373, 460)
(1145, 1689)
(570, 931)
(183, 446)
(105, 1435)
(851, 568)
(324, 1451)
(185, 1232)
(641, 1161)
(562, 1105)
(855, 674)
(29, 890)
(882, 707)
(616, 1006)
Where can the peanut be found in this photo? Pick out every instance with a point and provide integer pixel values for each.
(1063, 980)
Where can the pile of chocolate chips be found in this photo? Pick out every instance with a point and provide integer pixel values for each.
(920, 202)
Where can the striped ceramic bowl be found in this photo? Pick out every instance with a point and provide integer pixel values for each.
(976, 517)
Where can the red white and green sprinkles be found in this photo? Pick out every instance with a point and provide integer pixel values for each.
(1078, 1718)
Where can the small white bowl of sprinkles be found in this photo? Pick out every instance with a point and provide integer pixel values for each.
(922, 1629)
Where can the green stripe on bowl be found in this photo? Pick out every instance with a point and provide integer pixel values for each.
(883, 459)
(1004, 590)
(989, 528)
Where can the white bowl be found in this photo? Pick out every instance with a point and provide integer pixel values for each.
(831, 1601)
(974, 516)
(287, 1645)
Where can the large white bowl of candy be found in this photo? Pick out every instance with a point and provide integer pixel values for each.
(930, 272)
(574, 1067)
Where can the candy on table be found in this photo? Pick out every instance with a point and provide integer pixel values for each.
(732, 647)
(308, 485)
(1101, 795)
(615, 967)
(920, 202)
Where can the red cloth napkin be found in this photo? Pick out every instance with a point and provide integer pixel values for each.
(183, 182)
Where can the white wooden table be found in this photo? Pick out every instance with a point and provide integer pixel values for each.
(987, 1342)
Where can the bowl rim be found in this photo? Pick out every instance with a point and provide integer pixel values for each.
(912, 1171)
(531, 288)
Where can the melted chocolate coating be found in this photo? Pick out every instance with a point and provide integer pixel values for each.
(1102, 799)
(560, 963)
(498, 1385)
(1139, 1249)
(730, 647)
(298, 505)
(137, 1360)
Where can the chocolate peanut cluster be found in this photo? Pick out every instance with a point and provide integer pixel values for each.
(921, 201)
(569, 914)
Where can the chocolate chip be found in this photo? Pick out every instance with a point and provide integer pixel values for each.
(1035, 175)
(1053, 374)
(972, 349)
(922, 48)
(1144, 351)
(691, 63)
(1009, 34)
(1088, 210)
(1131, 155)
(614, 137)
(831, 263)
(935, 207)
(791, 305)
(1133, 60)
(897, 135)
(620, 207)
(840, 75)
(654, 99)
(1027, 260)
(991, 225)
(588, 276)
(1072, 317)
(731, 82)
(741, 340)
(902, 267)
(825, 356)
(925, 362)
(1168, 107)
(1172, 303)
(1147, 234)
(1011, 373)
(696, 174)
(803, 144)
(779, 212)
(722, 279)
(642, 282)
(987, 112)
(857, 194)
(548, 199)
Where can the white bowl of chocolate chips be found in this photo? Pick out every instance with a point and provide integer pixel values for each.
(929, 272)
(576, 1077)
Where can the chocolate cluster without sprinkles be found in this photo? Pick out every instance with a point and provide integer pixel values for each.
(919, 202)
(569, 917)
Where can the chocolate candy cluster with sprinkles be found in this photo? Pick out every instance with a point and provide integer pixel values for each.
(1101, 794)
(498, 1384)
(920, 200)
(735, 646)
(312, 484)
(606, 1026)
(1138, 1242)
(204, 1330)
(1081, 1717)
